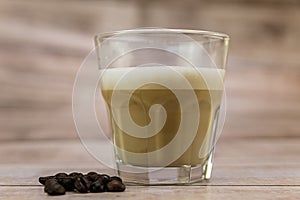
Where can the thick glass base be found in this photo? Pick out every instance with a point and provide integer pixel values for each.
(185, 174)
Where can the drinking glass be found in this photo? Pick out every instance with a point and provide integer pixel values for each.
(163, 90)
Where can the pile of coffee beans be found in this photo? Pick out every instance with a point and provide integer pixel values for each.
(83, 183)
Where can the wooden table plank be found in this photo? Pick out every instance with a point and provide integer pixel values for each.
(277, 150)
(264, 161)
(165, 192)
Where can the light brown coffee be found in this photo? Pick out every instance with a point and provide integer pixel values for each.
(207, 85)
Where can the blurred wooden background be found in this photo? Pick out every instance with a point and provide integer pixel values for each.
(42, 44)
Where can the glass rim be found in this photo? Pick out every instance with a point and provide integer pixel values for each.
(211, 34)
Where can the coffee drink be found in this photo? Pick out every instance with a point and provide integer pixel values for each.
(206, 85)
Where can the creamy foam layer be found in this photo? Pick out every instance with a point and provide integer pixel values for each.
(198, 78)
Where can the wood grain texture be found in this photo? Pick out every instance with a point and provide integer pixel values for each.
(42, 45)
(244, 169)
(170, 192)
(237, 161)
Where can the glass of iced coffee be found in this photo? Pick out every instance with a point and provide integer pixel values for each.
(163, 89)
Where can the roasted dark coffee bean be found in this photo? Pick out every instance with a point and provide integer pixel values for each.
(82, 184)
(105, 178)
(75, 181)
(92, 173)
(66, 181)
(88, 182)
(52, 187)
(115, 186)
(43, 180)
(61, 175)
(75, 174)
(116, 178)
(92, 176)
(97, 186)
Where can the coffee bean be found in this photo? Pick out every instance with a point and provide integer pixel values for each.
(75, 174)
(105, 178)
(75, 181)
(43, 180)
(115, 186)
(52, 187)
(97, 186)
(59, 175)
(116, 178)
(92, 176)
(88, 182)
(82, 184)
(67, 183)
(92, 173)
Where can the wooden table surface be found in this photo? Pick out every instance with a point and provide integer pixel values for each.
(43, 43)
(247, 168)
